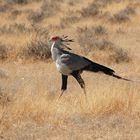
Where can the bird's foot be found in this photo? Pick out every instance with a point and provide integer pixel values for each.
(61, 93)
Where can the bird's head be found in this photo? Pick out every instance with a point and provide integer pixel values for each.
(63, 41)
(55, 38)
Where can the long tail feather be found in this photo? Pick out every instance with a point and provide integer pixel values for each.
(94, 67)
(119, 77)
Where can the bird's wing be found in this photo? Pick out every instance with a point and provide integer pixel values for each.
(73, 61)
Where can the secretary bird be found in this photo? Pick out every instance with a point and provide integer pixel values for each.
(72, 64)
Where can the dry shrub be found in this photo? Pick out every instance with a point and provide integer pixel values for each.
(49, 8)
(104, 44)
(18, 1)
(96, 39)
(96, 31)
(88, 37)
(3, 73)
(91, 10)
(95, 8)
(120, 17)
(100, 30)
(37, 49)
(103, 3)
(129, 10)
(72, 2)
(65, 21)
(120, 56)
(5, 7)
(36, 16)
(123, 15)
(14, 28)
(4, 97)
(15, 13)
(3, 52)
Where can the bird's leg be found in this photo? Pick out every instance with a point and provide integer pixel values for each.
(79, 79)
(64, 84)
(62, 91)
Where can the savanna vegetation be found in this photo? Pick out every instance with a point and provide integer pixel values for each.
(105, 31)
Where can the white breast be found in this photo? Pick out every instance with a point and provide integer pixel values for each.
(63, 69)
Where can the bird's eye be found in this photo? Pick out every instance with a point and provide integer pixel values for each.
(55, 38)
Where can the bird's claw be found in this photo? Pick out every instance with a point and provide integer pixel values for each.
(61, 94)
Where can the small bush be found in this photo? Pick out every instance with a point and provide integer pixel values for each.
(65, 21)
(14, 28)
(103, 3)
(100, 30)
(95, 39)
(91, 10)
(72, 2)
(129, 10)
(15, 13)
(49, 8)
(18, 1)
(103, 44)
(5, 8)
(120, 56)
(3, 52)
(4, 98)
(123, 15)
(36, 16)
(37, 50)
(3, 73)
(18, 27)
(90, 38)
(120, 17)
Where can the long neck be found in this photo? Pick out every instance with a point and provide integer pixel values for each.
(56, 50)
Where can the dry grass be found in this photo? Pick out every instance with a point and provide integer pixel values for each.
(33, 106)
(29, 88)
